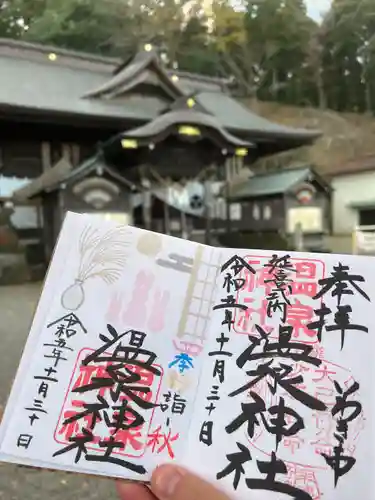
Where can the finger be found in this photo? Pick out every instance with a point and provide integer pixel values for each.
(133, 491)
(170, 482)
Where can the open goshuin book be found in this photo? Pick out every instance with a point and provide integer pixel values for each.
(251, 368)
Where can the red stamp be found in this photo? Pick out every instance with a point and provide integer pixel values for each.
(300, 310)
(318, 433)
(135, 439)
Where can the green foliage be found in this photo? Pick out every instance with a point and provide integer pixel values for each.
(271, 48)
(10, 20)
(86, 25)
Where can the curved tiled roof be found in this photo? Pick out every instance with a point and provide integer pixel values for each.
(139, 70)
(167, 122)
(32, 83)
(63, 172)
(276, 182)
(41, 183)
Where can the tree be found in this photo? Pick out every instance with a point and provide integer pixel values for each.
(313, 77)
(230, 40)
(161, 22)
(264, 45)
(279, 34)
(197, 52)
(349, 54)
(11, 22)
(86, 25)
(270, 48)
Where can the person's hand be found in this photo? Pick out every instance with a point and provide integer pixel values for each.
(170, 482)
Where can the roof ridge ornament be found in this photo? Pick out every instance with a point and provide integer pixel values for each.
(145, 67)
(188, 103)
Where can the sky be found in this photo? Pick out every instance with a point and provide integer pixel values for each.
(316, 8)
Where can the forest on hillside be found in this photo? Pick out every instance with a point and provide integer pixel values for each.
(270, 49)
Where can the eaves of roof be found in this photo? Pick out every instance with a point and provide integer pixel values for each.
(270, 184)
(31, 83)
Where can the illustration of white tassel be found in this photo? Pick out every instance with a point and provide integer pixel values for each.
(74, 296)
(102, 257)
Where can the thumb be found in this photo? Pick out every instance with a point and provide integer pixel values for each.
(170, 482)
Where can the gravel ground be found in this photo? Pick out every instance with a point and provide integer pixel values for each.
(17, 306)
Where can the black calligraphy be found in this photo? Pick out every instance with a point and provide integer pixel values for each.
(340, 462)
(271, 469)
(340, 284)
(126, 359)
(272, 360)
(57, 350)
(232, 283)
(279, 270)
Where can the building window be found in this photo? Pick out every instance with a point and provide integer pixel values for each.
(175, 225)
(256, 212)
(308, 219)
(235, 211)
(367, 217)
(267, 212)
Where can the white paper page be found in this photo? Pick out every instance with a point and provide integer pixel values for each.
(114, 296)
(289, 410)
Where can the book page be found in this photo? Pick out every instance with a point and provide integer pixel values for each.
(285, 403)
(108, 377)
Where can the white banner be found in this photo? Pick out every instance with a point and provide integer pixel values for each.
(364, 241)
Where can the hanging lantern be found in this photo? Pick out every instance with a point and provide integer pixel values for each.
(190, 102)
(129, 144)
(241, 152)
(148, 47)
(189, 131)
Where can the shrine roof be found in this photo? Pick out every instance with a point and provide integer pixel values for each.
(63, 173)
(274, 183)
(194, 118)
(48, 178)
(44, 80)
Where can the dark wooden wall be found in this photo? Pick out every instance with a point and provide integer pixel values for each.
(29, 145)
(57, 203)
(249, 221)
(20, 158)
(254, 212)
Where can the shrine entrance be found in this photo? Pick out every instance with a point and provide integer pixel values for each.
(180, 161)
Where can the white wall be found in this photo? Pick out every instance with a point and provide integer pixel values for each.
(25, 217)
(348, 190)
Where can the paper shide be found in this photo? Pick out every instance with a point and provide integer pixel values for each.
(252, 368)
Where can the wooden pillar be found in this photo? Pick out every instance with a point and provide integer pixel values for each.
(60, 216)
(46, 156)
(298, 240)
(228, 177)
(147, 203)
(184, 231)
(167, 220)
(76, 154)
(208, 211)
(66, 152)
(39, 214)
(45, 153)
